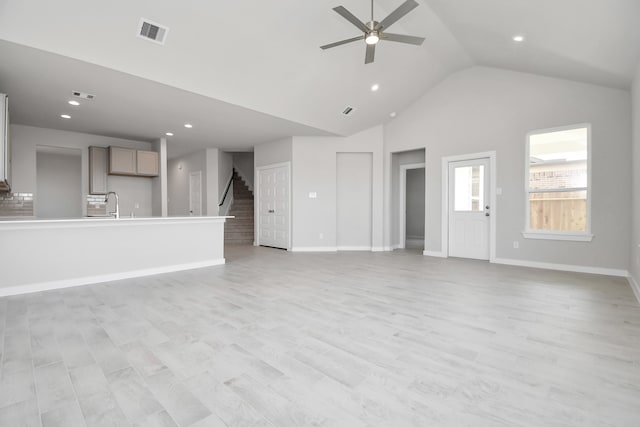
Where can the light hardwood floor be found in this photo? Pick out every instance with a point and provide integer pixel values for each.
(350, 339)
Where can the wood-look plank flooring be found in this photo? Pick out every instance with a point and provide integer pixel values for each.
(352, 339)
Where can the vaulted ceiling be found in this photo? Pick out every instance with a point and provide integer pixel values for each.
(247, 72)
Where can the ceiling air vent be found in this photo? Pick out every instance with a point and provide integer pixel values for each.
(152, 31)
(347, 111)
(83, 95)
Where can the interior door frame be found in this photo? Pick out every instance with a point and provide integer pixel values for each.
(403, 199)
(199, 175)
(491, 155)
(256, 204)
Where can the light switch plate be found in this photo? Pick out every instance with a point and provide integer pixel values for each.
(313, 195)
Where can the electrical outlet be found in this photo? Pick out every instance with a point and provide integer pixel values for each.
(516, 244)
(137, 205)
(320, 236)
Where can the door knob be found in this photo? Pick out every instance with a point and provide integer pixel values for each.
(271, 211)
(487, 214)
(487, 207)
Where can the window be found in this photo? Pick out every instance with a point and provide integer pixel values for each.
(469, 192)
(557, 182)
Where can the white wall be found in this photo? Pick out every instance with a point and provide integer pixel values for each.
(353, 200)
(314, 170)
(484, 109)
(25, 140)
(634, 262)
(243, 162)
(159, 184)
(415, 203)
(58, 184)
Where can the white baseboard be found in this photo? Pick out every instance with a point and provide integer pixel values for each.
(355, 248)
(88, 280)
(437, 254)
(381, 249)
(563, 267)
(635, 287)
(314, 249)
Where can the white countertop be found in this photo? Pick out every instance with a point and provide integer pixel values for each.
(99, 221)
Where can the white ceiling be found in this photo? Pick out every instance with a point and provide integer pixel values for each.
(247, 72)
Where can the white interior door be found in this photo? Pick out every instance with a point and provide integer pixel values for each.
(195, 193)
(273, 207)
(469, 209)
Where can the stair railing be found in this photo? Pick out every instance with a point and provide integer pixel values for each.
(226, 191)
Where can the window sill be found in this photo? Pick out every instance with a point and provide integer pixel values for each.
(558, 235)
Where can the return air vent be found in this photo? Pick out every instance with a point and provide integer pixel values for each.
(347, 111)
(152, 31)
(83, 95)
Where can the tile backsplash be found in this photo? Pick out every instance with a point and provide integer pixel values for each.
(16, 204)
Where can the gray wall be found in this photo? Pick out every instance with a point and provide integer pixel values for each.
(25, 140)
(243, 162)
(353, 200)
(270, 153)
(484, 109)
(415, 204)
(58, 184)
(634, 262)
(225, 170)
(178, 171)
(314, 170)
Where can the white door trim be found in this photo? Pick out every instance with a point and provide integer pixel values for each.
(199, 175)
(491, 155)
(256, 204)
(403, 198)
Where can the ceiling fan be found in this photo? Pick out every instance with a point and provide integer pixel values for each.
(375, 31)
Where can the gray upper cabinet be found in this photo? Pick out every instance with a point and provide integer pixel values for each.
(132, 162)
(98, 160)
(122, 161)
(147, 163)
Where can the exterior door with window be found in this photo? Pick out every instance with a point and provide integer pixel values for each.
(469, 209)
(273, 207)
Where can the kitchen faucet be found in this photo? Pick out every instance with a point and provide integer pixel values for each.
(116, 213)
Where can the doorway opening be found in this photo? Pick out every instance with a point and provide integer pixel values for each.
(408, 200)
(412, 206)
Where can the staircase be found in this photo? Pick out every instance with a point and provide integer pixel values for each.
(239, 230)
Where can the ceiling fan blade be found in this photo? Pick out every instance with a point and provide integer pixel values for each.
(371, 53)
(351, 18)
(402, 10)
(330, 45)
(401, 38)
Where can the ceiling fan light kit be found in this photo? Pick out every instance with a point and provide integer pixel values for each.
(374, 31)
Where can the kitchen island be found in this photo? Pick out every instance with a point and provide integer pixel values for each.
(38, 255)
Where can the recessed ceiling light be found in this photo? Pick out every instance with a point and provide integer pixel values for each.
(74, 103)
(518, 39)
(393, 114)
(375, 87)
(169, 134)
(65, 116)
(188, 126)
